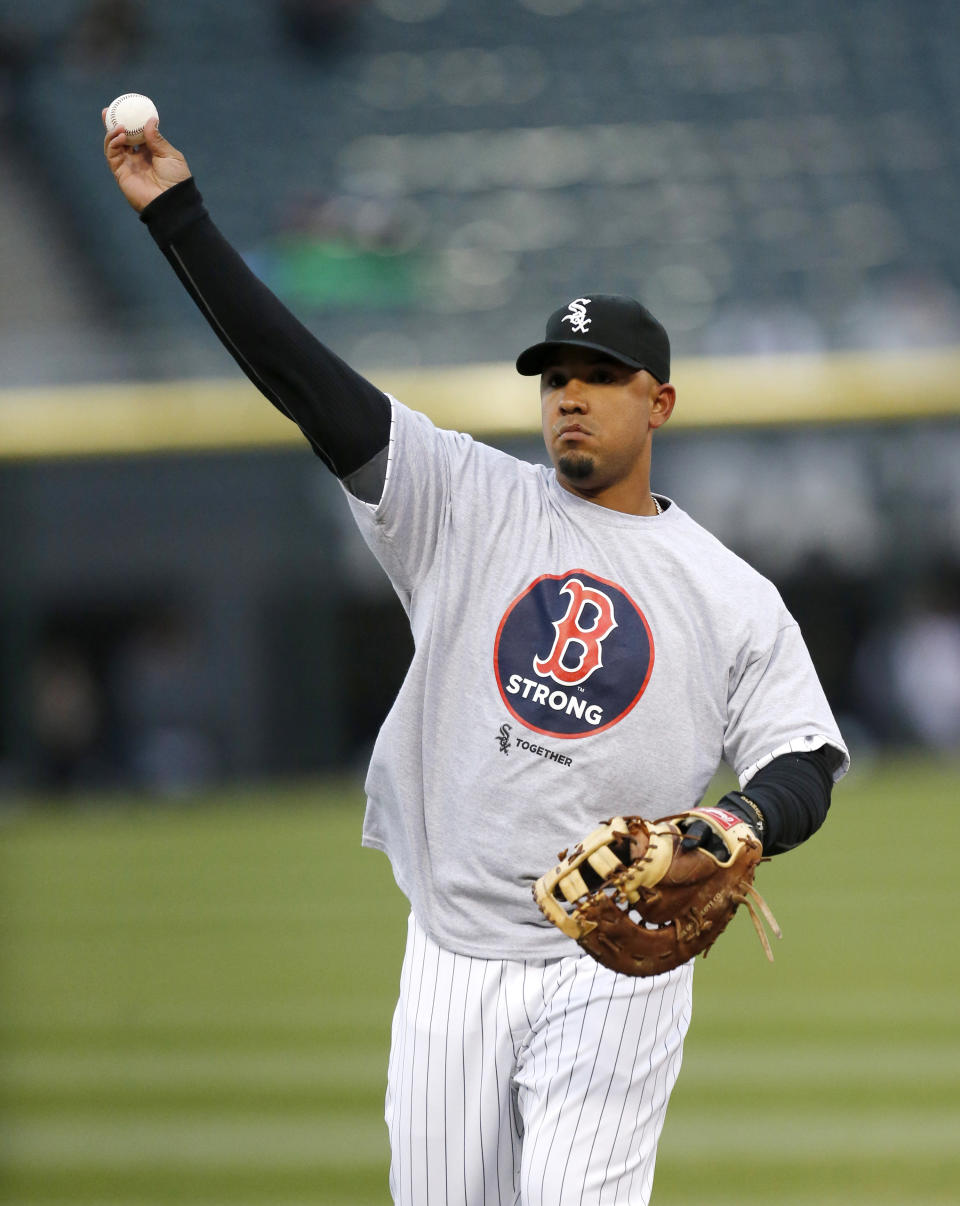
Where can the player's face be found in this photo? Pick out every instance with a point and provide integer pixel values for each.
(598, 419)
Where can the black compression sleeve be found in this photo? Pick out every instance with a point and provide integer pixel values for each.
(345, 417)
(792, 794)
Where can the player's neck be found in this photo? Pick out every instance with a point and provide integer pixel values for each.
(627, 497)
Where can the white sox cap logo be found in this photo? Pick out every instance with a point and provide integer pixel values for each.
(577, 318)
(619, 327)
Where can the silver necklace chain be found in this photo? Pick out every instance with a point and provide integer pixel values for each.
(656, 503)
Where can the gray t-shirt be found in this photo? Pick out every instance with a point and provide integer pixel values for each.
(571, 663)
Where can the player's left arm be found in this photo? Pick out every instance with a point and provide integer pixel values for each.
(787, 800)
(781, 735)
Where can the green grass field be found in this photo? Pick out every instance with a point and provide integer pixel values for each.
(195, 1006)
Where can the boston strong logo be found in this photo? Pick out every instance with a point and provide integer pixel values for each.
(573, 654)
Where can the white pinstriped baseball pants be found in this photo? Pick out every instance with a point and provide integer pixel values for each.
(529, 1083)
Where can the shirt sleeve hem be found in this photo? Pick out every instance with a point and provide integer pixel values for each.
(374, 508)
(799, 745)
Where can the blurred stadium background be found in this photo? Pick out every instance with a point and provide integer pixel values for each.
(196, 650)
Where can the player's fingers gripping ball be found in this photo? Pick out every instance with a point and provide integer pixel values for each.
(641, 899)
(132, 110)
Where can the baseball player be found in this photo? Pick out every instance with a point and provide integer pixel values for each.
(582, 647)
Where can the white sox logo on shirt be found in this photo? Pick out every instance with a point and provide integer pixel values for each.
(577, 318)
(573, 654)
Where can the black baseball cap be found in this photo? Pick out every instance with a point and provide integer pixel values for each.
(604, 322)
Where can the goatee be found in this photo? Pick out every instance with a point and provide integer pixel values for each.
(575, 466)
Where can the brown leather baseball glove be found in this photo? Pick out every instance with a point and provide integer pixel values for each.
(642, 897)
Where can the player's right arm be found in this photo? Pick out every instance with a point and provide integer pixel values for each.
(145, 171)
(345, 418)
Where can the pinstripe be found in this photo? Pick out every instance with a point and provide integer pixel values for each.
(418, 963)
(395, 1066)
(446, 1075)
(396, 1169)
(502, 994)
(516, 1125)
(586, 1092)
(574, 1046)
(543, 1000)
(463, 1081)
(483, 1064)
(426, 1096)
(496, 1081)
(652, 1124)
(503, 1132)
(633, 1068)
(603, 1105)
(400, 1072)
(550, 1082)
(519, 1041)
(559, 1041)
(665, 1078)
(640, 1120)
(652, 1129)
(648, 1134)
(523, 995)
(545, 1095)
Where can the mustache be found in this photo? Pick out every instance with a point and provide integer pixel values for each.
(563, 425)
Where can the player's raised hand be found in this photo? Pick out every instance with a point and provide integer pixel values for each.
(145, 171)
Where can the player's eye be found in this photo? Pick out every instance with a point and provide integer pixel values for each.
(554, 379)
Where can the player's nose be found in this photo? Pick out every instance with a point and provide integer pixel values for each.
(574, 396)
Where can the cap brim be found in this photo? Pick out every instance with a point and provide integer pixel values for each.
(530, 362)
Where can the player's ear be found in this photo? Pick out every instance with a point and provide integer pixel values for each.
(662, 403)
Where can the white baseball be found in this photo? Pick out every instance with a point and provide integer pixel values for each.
(132, 110)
